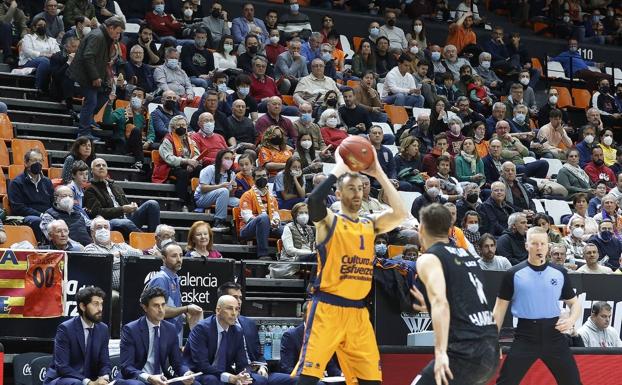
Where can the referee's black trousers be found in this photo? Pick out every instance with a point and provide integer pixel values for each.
(539, 339)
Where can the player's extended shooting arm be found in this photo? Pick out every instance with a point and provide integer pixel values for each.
(396, 213)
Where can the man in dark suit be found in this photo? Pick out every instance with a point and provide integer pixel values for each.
(81, 344)
(492, 162)
(216, 344)
(149, 342)
(291, 344)
(251, 337)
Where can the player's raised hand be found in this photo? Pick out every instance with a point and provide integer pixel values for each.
(341, 166)
(375, 170)
(420, 306)
(442, 373)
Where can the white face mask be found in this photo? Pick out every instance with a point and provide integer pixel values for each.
(473, 227)
(589, 139)
(485, 64)
(208, 128)
(414, 50)
(86, 30)
(102, 235)
(302, 219)
(227, 48)
(578, 232)
(296, 173)
(553, 99)
(433, 192)
(306, 144)
(65, 203)
(274, 39)
(524, 81)
(188, 12)
(418, 28)
(332, 122)
(607, 140)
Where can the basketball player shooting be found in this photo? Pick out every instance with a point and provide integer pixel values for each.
(466, 341)
(338, 320)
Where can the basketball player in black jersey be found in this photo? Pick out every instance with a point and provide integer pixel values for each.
(466, 341)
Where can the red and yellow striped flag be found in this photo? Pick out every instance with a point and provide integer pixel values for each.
(31, 283)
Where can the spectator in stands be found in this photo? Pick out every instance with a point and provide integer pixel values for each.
(263, 87)
(558, 255)
(456, 235)
(31, 193)
(493, 161)
(241, 128)
(104, 197)
(396, 36)
(170, 76)
(514, 151)
(58, 233)
(81, 28)
(80, 178)
(498, 114)
(553, 136)
(274, 47)
(74, 217)
(499, 56)
(274, 117)
(591, 257)
(224, 57)
(311, 87)
(89, 68)
(311, 49)
(600, 191)
(145, 40)
(164, 234)
(355, 118)
(196, 60)
(216, 187)
(461, 34)
(76, 8)
(242, 92)
(167, 279)
(572, 176)
(244, 178)
(306, 125)
(488, 260)
(70, 360)
(12, 28)
(364, 59)
(137, 364)
(469, 202)
(495, 211)
(574, 241)
(81, 149)
(61, 86)
(550, 104)
(252, 48)
(53, 22)
(588, 133)
(130, 126)
(428, 89)
(310, 158)
(545, 221)
(160, 118)
(271, 20)
(571, 60)
(606, 104)
(260, 213)
(208, 142)
(216, 23)
(385, 158)
(211, 104)
(35, 51)
(201, 242)
(515, 98)
(593, 119)
(332, 131)
(408, 165)
(516, 194)
(511, 243)
(163, 24)
(247, 23)
(597, 331)
(580, 206)
(453, 62)
(294, 23)
(450, 187)
(290, 66)
(367, 96)
(290, 184)
(385, 61)
(469, 166)
(274, 150)
(137, 72)
(454, 135)
(400, 88)
(607, 241)
(597, 170)
(431, 195)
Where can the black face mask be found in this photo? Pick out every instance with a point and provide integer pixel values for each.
(40, 31)
(36, 168)
(180, 131)
(331, 102)
(391, 22)
(215, 13)
(261, 182)
(276, 140)
(599, 162)
(604, 89)
(252, 49)
(170, 105)
(472, 198)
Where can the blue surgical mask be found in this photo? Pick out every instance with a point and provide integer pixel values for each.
(136, 103)
(172, 63)
(381, 249)
(159, 8)
(374, 31)
(436, 56)
(520, 118)
(326, 56)
(306, 117)
(244, 91)
(222, 87)
(294, 7)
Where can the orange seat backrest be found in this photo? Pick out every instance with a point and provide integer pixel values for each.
(3, 186)
(16, 234)
(194, 183)
(6, 127)
(237, 220)
(356, 42)
(288, 99)
(116, 237)
(581, 97)
(4, 154)
(142, 241)
(397, 114)
(15, 170)
(55, 172)
(564, 100)
(395, 250)
(19, 147)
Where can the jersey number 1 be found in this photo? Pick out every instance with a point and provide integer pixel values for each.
(362, 243)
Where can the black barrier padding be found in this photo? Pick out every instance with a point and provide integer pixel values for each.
(393, 327)
(39, 368)
(22, 372)
(199, 279)
(83, 269)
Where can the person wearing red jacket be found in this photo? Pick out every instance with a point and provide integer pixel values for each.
(161, 23)
(597, 170)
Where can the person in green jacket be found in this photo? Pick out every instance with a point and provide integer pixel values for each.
(469, 166)
(129, 125)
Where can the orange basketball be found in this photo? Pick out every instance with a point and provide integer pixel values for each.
(357, 152)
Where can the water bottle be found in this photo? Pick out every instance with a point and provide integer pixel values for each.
(267, 354)
(276, 343)
(262, 337)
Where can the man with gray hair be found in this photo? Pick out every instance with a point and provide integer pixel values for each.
(512, 243)
(454, 63)
(311, 49)
(53, 22)
(90, 69)
(431, 195)
(59, 237)
(163, 235)
(64, 208)
(469, 201)
(315, 85)
(170, 76)
(490, 78)
(290, 66)
(516, 194)
(137, 72)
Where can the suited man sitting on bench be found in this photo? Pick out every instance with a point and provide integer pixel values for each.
(148, 343)
(81, 344)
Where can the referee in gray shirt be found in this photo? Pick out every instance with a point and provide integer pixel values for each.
(534, 287)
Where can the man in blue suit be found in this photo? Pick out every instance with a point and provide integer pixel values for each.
(216, 344)
(248, 23)
(291, 344)
(81, 344)
(251, 337)
(148, 343)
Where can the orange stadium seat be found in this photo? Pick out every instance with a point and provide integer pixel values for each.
(142, 241)
(288, 100)
(286, 215)
(397, 114)
(356, 42)
(395, 250)
(581, 98)
(15, 170)
(16, 234)
(6, 127)
(4, 155)
(116, 237)
(55, 172)
(564, 100)
(6, 205)
(194, 183)
(19, 147)
(3, 186)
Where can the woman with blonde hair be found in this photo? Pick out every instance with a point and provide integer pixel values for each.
(201, 242)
